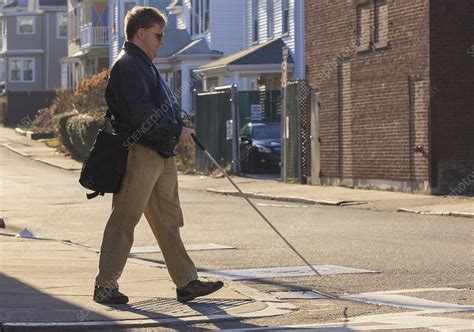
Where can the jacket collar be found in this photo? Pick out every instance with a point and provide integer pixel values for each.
(133, 49)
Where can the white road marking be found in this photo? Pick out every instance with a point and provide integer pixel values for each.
(395, 299)
(189, 247)
(393, 321)
(282, 205)
(300, 295)
(280, 272)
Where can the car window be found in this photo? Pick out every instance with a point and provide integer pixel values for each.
(266, 132)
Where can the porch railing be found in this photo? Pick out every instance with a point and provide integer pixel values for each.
(94, 36)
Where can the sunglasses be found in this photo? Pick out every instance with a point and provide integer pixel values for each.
(159, 35)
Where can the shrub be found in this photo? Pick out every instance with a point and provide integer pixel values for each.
(82, 130)
(62, 132)
(44, 120)
(89, 95)
(77, 133)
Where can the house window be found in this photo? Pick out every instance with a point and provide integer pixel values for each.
(197, 16)
(285, 16)
(73, 25)
(381, 22)
(3, 27)
(207, 15)
(177, 86)
(254, 20)
(61, 24)
(2, 70)
(200, 16)
(22, 69)
(363, 27)
(270, 18)
(25, 25)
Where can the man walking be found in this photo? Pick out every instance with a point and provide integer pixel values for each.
(143, 108)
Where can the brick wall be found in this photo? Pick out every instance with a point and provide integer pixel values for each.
(374, 92)
(452, 80)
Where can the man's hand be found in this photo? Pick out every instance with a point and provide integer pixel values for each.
(185, 136)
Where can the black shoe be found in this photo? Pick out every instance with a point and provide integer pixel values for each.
(107, 295)
(197, 288)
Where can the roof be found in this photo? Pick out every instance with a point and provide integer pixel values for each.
(53, 2)
(266, 53)
(179, 42)
(175, 3)
(23, 3)
(11, 4)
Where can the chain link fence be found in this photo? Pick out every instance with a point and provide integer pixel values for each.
(213, 110)
(296, 125)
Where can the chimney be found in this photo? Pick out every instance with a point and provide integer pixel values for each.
(33, 5)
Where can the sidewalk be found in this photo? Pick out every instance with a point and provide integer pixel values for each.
(376, 200)
(48, 284)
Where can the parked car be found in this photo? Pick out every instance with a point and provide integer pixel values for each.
(260, 147)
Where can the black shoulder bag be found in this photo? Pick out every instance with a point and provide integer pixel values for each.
(104, 166)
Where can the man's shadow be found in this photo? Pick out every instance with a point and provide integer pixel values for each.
(170, 312)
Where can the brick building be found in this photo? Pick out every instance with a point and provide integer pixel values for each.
(396, 84)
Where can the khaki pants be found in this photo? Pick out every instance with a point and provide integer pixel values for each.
(150, 185)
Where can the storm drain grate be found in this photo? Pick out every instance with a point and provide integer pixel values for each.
(170, 307)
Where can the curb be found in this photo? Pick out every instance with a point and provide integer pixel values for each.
(32, 135)
(7, 146)
(442, 213)
(289, 199)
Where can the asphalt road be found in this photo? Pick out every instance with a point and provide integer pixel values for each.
(409, 251)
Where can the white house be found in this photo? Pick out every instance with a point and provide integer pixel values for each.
(118, 9)
(206, 31)
(270, 25)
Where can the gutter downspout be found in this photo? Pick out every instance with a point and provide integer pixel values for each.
(300, 71)
(47, 53)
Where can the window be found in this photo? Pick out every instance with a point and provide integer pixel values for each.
(270, 18)
(207, 15)
(3, 34)
(372, 25)
(3, 27)
(363, 27)
(177, 85)
(2, 70)
(197, 18)
(381, 22)
(61, 24)
(200, 16)
(254, 20)
(73, 25)
(25, 25)
(22, 69)
(285, 16)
